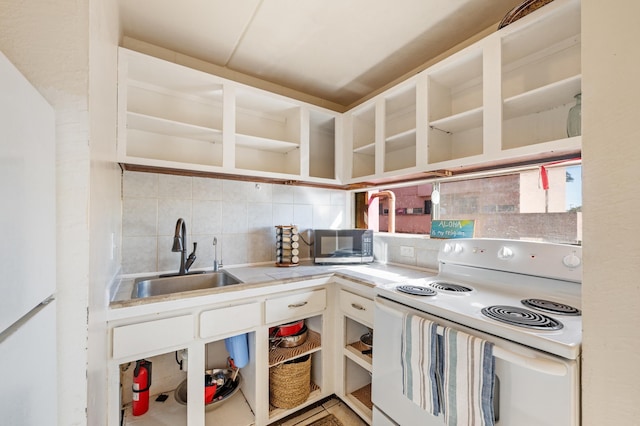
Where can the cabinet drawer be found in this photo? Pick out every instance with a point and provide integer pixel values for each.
(295, 306)
(357, 307)
(227, 320)
(136, 339)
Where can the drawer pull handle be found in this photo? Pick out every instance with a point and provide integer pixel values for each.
(297, 305)
(358, 307)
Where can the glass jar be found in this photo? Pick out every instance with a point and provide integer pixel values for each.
(574, 120)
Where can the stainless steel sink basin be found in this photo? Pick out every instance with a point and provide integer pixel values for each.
(155, 286)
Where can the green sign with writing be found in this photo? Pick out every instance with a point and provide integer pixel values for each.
(446, 229)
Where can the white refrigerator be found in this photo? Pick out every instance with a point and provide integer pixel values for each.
(28, 377)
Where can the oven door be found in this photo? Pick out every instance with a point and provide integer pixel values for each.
(533, 388)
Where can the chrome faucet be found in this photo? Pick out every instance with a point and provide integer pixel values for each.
(216, 265)
(180, 245)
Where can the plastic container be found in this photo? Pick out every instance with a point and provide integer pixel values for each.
(238, 348)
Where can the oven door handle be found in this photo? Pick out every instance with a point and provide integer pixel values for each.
(540, 364)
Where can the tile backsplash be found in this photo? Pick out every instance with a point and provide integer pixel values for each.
(242, 215)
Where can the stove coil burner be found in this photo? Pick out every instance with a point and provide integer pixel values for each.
(521, 317)
(416, 290)
(551, 307)
(445, 286)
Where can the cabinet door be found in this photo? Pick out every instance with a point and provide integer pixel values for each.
(228, 320)
(152, 336)
(295, 306)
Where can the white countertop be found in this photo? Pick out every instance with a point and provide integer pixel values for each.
(254, 277)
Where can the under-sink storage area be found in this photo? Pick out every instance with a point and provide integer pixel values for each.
(231, 397)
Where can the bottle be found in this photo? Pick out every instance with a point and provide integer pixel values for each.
(574, 119)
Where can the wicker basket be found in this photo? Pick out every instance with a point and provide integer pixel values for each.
(290, 383)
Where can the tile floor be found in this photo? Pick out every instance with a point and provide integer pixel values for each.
(331, 406)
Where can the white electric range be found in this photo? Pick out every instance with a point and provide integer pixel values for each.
(522, 296)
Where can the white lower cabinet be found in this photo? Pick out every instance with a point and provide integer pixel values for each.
(355, 358)
(297, 375)
(183, 346)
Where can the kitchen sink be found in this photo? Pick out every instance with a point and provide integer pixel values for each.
(156, 286)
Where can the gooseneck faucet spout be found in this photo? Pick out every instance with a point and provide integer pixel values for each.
(180, 246)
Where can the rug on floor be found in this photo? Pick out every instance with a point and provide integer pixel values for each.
(329, 420)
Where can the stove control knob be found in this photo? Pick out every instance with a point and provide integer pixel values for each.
(457, 248)
(447, 248)
(571, 261)
(505, 253)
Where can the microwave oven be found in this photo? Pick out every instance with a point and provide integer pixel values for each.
(343, 246)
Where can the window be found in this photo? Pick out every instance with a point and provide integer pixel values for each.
(512, 205)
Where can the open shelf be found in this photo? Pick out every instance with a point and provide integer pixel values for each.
(354, 352)
(459, 122)
(265, 144)
(322, 145)
(357, 389)
(400, 128)
(455, 106)
(167, 127)
(544, 98)
(541, 75)
(362, 396)
(280, 355)
(369, 149)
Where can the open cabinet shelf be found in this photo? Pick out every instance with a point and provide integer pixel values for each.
(503, 99)
(171, 116)
(400, 128)
(541, 75)
(354, 352)
(280, 355)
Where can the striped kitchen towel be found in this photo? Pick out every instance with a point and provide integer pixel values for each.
(468, 375)
(419, 362)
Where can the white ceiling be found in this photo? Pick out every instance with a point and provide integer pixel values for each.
(336, 50)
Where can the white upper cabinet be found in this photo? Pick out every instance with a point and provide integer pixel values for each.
(171, 116)
(268, 133)
(541, 75)
(400, 128)
(455, 107)
(503, 99)
(168, 114)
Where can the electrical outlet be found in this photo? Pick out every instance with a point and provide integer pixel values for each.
(407, 251)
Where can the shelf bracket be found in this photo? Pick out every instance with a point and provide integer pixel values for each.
(440, 130)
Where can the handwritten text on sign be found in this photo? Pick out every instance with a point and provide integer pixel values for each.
(452, 228)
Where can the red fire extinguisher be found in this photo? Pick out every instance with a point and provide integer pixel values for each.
(141, 385)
